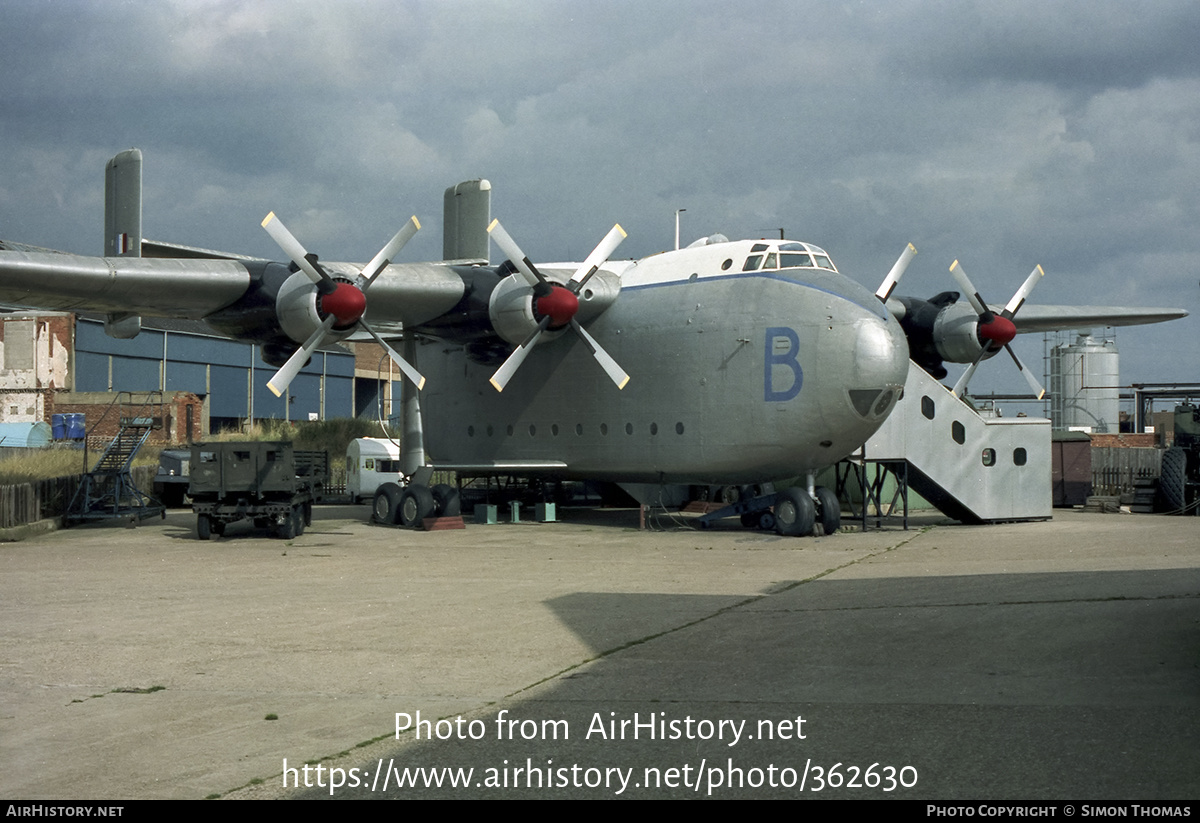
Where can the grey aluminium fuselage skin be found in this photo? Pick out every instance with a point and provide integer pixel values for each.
(736, 376)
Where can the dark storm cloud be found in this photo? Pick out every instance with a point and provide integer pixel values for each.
(1007, 134)
(1084, 46)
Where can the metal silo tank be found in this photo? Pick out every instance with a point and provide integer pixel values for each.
(1086, 373)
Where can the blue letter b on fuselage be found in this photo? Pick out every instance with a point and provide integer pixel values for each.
(782, 348)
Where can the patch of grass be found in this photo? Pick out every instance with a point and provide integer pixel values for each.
(271, 716)
(55, 461)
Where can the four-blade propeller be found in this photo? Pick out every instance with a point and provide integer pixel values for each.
(342, 305)
(996, 330)
(556, 304)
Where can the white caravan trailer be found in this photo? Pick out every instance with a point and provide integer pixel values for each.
(370, 461)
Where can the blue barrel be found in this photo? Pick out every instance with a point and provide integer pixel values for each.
(58, 426)
(76, 426)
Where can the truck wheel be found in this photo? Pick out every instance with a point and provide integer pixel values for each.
(203, 527)
(287, 529)
(446, 501)
(308, 513)
(415, 504)
(795, 513)
(298, 517)
(829, 510)
(386, 508)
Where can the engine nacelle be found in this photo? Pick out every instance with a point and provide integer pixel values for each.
(511, 310)
(296, 308)
(956, 334)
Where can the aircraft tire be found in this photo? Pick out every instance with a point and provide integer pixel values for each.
(829, 510)
(415, 504)
(446, 501)
(203, 527)
(386, 506)
(795, 513)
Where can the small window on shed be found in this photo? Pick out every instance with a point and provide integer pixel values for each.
(958, 432)
(1019, 457)
(927, 407)
(989, 457)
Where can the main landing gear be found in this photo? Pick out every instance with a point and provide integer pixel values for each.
(397, 505)
(791, 512)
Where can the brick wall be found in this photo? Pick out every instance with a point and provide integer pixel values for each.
(103, 427)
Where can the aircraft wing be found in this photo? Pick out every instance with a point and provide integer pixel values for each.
(1054, 318)
(147, 286)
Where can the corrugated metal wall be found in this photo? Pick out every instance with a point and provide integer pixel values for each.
(230, 373)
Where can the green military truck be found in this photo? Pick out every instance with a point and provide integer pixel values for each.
(269, 482)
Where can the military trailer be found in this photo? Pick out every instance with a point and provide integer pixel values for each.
(269, 482)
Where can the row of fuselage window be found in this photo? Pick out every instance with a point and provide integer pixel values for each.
(555, 430)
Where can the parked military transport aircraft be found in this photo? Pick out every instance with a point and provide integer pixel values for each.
(728, 362)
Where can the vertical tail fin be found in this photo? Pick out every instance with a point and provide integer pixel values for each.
(467, 211)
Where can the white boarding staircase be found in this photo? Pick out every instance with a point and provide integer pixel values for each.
(974, 469)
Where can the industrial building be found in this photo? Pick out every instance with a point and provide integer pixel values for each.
(58, 362)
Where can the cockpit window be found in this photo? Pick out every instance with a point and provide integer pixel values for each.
(792, 260)
(789, 255)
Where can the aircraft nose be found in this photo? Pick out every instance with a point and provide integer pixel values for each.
(880, 366)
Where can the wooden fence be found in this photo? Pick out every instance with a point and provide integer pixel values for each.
(1114, 470)
(23, 503)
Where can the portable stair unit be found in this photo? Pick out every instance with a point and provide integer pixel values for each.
(974, 469)
(108, 492)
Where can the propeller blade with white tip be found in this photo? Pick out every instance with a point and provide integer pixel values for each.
(513, 252)
(283, 378)
(965, 284)
(1018, 299)
(614, 371)
(509, 367)
(889, 283)
(388, 253)
(292, 248)
(961, 385)
(598, 257)
(411, 373)
(1027, 374)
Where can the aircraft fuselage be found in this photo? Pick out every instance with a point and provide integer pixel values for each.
(736, 377)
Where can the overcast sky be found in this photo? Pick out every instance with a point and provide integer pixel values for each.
(1005, 134)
